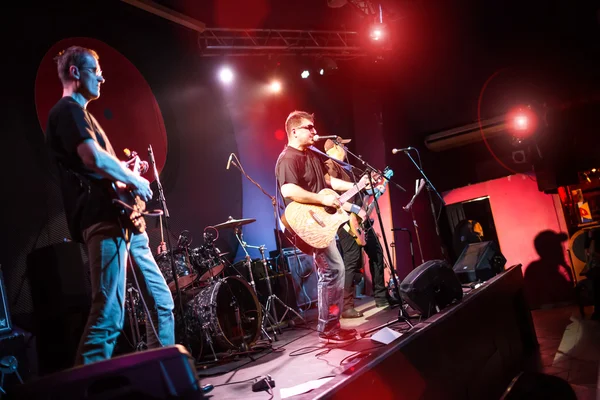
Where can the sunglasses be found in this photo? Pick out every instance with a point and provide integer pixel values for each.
(309, 127)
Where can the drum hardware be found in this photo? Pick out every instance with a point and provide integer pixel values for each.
(273, 297)
(270, 311)
(266, 317)
(234, 223)
(134, 320)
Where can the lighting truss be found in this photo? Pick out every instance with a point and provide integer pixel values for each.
(283, 42)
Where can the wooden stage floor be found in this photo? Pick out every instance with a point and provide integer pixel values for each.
(298, 356)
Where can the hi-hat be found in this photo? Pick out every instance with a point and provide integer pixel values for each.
(234, 223)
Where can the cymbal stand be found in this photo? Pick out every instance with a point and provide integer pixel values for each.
(273, 297)
(248, 261)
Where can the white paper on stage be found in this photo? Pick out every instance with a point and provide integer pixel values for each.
(303, 387)
(386, 336)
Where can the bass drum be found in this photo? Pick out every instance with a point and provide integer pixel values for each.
(214, 312)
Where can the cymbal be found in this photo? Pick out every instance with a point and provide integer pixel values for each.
(234, 223)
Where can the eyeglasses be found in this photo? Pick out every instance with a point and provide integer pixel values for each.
(94, 70)
(309, 127)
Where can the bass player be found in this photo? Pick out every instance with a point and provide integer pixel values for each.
(88, 167)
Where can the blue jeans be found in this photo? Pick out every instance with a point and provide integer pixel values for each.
(107, 252)
(330, 269)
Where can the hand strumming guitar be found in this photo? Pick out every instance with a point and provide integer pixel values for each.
(141, 187)
(330, 200)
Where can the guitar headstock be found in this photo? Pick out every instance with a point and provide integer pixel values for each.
(135, 163)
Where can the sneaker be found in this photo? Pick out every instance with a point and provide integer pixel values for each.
(338, 336)
(352, 313)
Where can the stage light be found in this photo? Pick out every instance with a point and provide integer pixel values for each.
(376, 34)
(305, 74)
(321, 71)
(226, 75)
(522, 122)
(275, 86)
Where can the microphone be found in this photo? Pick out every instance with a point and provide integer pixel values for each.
(151, 155)
(394, 151)
(316, 138)
(229, 161)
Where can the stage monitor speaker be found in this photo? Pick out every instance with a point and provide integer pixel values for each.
(431, 287)
(304, 275)
(479, 262)
(166, 373)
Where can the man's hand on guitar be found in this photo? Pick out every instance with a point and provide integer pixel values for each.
(141, 187)
(330, 200)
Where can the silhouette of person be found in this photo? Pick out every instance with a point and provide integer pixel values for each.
(548, 280)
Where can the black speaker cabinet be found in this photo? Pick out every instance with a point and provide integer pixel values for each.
(304, 275)
(431, 287)
(166, 373)
(61, 295)
(479, 262)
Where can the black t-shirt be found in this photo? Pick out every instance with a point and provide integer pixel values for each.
(302, 168)
(86, 195)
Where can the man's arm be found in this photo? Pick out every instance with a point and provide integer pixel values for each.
(296, 193)
(343, 186)
(105, 164)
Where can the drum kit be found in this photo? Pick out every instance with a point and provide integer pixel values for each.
(220, 311)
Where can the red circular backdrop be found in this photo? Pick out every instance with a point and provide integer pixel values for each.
(126, 109)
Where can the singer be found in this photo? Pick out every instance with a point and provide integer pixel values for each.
(88, 167)
(301, 175)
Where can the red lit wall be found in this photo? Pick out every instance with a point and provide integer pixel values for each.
(521, 212)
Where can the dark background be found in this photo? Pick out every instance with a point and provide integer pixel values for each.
(538, 52)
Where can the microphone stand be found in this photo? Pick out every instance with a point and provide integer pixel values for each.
(414, 220)
(402, 316)
(163, 205)
(430, 188)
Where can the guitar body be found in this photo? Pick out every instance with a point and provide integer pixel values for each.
(315, 224)
(130, 219)
(357, 231)
(130, 206)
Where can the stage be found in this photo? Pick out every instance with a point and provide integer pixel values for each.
(470, 350)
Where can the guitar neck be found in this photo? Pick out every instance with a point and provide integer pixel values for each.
(350, 193)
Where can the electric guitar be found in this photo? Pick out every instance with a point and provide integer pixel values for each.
(131, 207)
(356, 228)
(315, 226)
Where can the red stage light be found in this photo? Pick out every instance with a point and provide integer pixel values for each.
(377, 32)
(521, 122)
(280, 134)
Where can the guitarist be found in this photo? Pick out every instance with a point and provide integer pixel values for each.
(351, 250)
(88, 166)
(300, 175)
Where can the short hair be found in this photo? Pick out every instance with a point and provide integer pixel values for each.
(295, 118)
(74, 55)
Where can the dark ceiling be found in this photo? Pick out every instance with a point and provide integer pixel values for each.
(444, 51)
